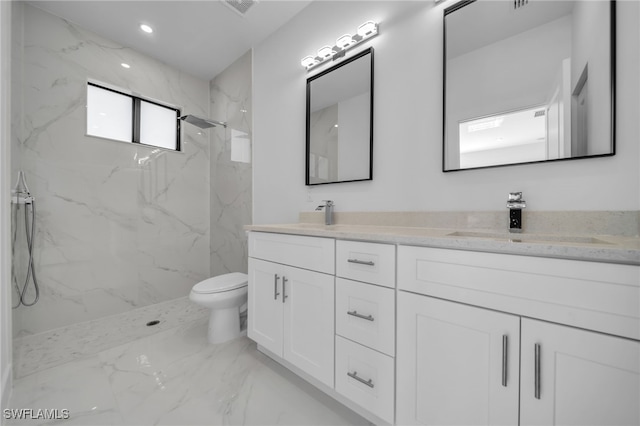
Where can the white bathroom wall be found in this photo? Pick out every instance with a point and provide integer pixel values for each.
(230, 180)
(407, 171)
(5, 194)
(118, 225)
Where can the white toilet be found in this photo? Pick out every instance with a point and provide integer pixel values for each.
(224, 295)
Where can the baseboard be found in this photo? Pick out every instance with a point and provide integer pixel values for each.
(324, 388)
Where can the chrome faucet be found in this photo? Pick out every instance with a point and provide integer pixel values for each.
(515, 204)
(328, 211)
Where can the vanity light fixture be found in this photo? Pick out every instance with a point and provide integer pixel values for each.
(343, 43)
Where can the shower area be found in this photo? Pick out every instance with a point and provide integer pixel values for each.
(102, 228)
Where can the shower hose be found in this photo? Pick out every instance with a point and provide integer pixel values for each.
(31, 271)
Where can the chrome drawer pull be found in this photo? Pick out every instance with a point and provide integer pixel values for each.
(356, 314)
(354, 375)
(284, 289)
(505, 342)
(275, 287)
(536, 372)
(361, 262)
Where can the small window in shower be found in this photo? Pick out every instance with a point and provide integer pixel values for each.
(121, 116)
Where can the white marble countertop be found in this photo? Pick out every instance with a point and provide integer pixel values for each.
(597, 248)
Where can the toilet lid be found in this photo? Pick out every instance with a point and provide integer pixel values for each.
(220, 283)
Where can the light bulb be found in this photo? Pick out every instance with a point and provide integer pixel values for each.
(367, 29)
(308, 61)
(326, 52)
(146, 28)
(345, 41)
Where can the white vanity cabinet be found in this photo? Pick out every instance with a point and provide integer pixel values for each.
(576, 352)
(457, 364)
(291, 300)
(578, 377)
(414, 335)
(365, 325)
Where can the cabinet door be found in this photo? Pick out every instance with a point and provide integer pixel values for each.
(453, 364)
(309, 322)
(265, 304)
(583, 377)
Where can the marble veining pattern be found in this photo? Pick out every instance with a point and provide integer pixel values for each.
(598, 248)
(176, 378)
(230, 180)
(119, 226)
(44, 350)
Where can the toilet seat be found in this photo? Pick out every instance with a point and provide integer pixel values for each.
(221, 283)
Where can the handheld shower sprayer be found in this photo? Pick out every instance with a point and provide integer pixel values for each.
(22, 196)
(21, 193)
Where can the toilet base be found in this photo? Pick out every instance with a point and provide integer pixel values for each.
(224, 325)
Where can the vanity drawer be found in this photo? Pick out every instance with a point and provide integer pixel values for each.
(313, 253)
(365, 313)
(596, 296)
(366, 377)
(369, 262)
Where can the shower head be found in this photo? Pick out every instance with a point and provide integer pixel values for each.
(203, 123)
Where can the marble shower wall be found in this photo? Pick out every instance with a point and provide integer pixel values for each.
(18, 244)
(119, 225)
(230, 180)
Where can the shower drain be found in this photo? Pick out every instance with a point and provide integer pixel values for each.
(154, 322)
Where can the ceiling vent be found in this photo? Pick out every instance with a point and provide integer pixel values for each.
(539, 113)
(241, 7)
(517, 4)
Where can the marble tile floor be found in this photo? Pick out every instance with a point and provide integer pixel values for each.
(175, 377)
(55, 347)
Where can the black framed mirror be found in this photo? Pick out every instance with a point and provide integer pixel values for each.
(340, 122)
(528, 81)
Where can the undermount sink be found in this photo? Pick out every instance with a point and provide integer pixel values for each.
(521, 238)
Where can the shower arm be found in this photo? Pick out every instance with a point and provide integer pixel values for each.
(203, 123)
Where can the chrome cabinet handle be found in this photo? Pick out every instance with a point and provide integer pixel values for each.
(275, 287)
(354, 375)
(356, 314)
(361, 262)
(536, 367)
(505, 342)
(284, 293)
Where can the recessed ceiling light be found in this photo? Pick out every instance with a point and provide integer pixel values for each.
(146, 28)
(125, 65)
